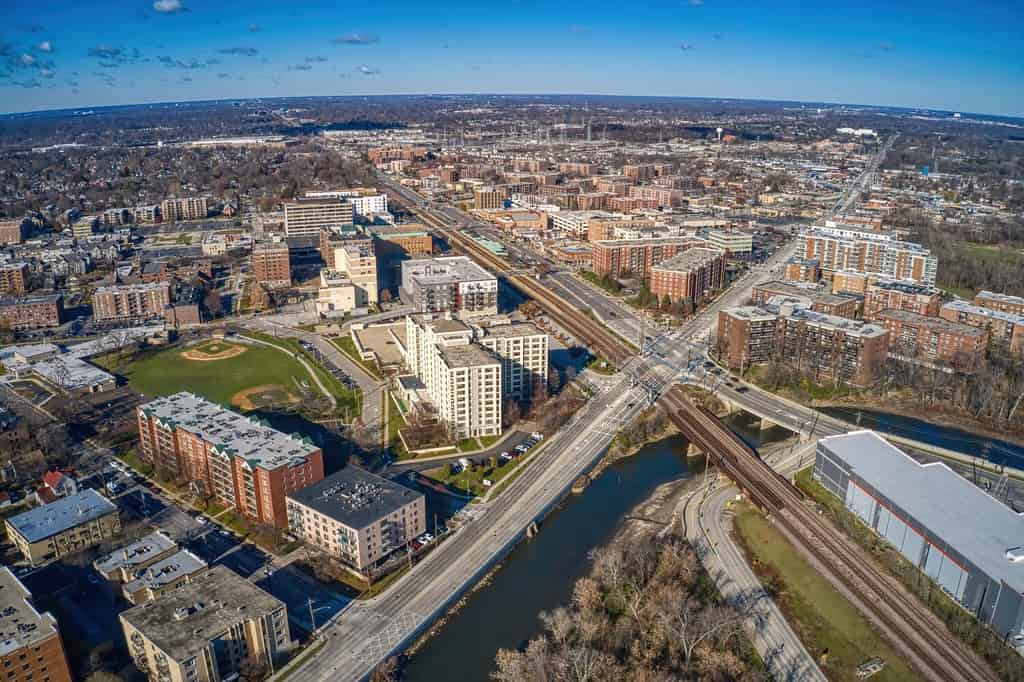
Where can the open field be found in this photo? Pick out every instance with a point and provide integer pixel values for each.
(349, 401)
(212, 351)
(821, 616)
(224, 381)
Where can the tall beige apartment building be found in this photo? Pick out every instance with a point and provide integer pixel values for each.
(463, 379)
(357, 260)
(305, 217)
(130, 302)
(189, 208)
(204, 630)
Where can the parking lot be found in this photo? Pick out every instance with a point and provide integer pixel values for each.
(335, 371)
(302, 593)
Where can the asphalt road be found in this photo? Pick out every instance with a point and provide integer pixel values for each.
(367, 632)
(707, 524)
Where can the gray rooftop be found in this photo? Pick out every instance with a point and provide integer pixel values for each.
(850, 327)
(657, 241)
(905, 286)
(813, 292)
(1002, 298)
(441, 325)
(183, 621)
(449, 269)
(231, 433)
(31, 300)
(20, 624)
(991, 313)
(141, 287)
(751, 312)
(689, 259)
(469, 355)
(934, 323)
(980, 527)
(135, 553)
(512, 330)
(67, 512)
(355, 497)
(165, 571)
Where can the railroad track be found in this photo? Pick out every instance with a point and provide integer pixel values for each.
(583, 327)
(934, 652)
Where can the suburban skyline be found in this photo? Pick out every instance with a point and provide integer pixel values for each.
(61, 54)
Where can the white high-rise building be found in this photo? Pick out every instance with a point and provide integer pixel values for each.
(365, 201)
(463, 380)
(523, 351)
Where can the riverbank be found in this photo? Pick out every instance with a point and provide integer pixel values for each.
(934, 415)
(539, 573)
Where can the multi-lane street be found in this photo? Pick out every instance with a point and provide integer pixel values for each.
(369, 631)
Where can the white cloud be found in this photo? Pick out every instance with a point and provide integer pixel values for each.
(45, 46)
(168, 6)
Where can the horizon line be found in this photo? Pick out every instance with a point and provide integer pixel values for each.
(1017, 118)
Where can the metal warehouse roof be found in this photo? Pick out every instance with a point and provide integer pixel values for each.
(977, 525)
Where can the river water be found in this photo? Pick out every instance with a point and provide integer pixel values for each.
(995, 450)
(540, 573)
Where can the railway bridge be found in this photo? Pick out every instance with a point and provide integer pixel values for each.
(929, 646)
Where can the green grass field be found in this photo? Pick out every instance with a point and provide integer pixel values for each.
(349, 401)
(167, 372)
(820, 615)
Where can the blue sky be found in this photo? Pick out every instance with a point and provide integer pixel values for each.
(946, 55)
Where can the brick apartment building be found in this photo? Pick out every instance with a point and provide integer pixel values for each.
(32, 312)
(13, 279)
(1007, 329)
(689, 276)
(396, 153)
(488, 198)
(869, 253)
(933, 341)
(242, 463)
(636, 257)
(801, 270)
(816, 299)
(32, 648)
(1008, 304)
(746, 336)
(825, 347)
(130, 302)
(271, 265)
(12, 231)
(900, 295)
(189, 208)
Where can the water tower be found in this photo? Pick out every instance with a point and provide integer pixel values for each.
(719, 131)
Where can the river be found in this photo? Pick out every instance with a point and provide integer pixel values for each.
(540, 573)
(996, 451)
